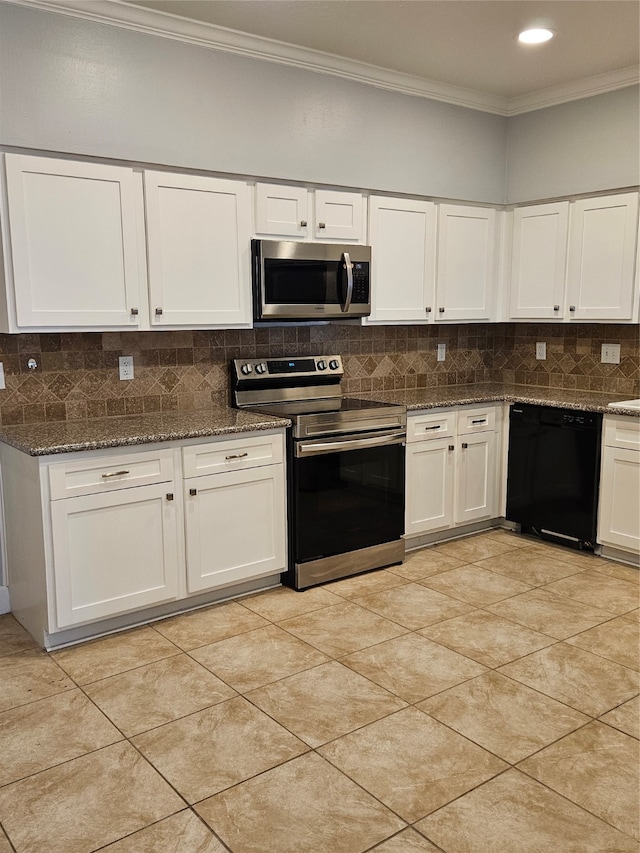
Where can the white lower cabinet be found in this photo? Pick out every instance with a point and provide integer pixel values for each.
(452, 468)
(430, 482)
(475, 478)
(113, 533)
(248, 537)
(619, 504)
(114, 553)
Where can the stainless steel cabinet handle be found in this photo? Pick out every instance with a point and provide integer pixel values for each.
(114, 474)
(441, 310)
(349, 268)
(236, 456)
(572, 307)
(321, 225)
(464, 445)
(193, 492)
(158, 311)
(303, 223)
(169, 496)
(134, 312)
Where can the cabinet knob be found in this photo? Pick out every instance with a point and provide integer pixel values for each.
(428, 309)
(321, 225)
(464, 445)
(572, 307)
(441, 310)
(169, 496)
(556, 307)
(158, 311)
(134, 312)
(193, 492)
(452, 447)
(303, 223)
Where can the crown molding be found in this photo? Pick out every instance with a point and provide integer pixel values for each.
(164, 25)
(586, 88)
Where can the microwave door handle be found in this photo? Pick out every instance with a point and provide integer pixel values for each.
(349, 269)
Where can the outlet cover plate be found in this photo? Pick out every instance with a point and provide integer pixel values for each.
(442, 352)
(541, 350)
(610, 354)
(125, 364)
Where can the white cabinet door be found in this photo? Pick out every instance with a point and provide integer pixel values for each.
(602, 246)
(465, 279)
(402, 235)
(475, 477)
(199, 243)
(619, 503)
(114, 553)
(235, 527)
(282, 211)
(539, 261)
(430, 479)
(75, 231)
(339, 216)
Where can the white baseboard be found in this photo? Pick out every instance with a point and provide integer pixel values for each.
(4, 599)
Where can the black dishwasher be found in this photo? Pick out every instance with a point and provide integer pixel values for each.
(553, 472)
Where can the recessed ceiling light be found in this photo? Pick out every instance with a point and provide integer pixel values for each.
(535, 36)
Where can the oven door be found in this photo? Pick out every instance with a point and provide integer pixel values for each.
(347, 494)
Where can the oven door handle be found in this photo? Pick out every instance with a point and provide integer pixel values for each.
(308, 448)
(349, 268)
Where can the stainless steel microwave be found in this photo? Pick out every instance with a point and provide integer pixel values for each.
(310, 281)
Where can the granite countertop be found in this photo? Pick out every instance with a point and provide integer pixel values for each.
(461, 395)
(42, 439)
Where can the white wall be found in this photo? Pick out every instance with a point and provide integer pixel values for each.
(583, 146)
(74, 86)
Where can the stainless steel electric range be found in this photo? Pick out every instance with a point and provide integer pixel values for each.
(345, 466)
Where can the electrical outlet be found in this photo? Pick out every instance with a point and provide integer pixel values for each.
(541, 350)
(125, 363)
(442, 352)
(2, 382)
(610, 354)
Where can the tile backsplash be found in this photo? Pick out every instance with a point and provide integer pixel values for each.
(77, 373)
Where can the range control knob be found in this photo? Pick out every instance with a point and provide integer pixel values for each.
(322, 365)
(246, 369)
(261, 368)
(334, 364)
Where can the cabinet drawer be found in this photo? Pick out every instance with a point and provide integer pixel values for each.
(225, 455)
(433, 425)
(622, 431)
(476, 420)
(107, 473)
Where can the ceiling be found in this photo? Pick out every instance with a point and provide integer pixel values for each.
(462, 43)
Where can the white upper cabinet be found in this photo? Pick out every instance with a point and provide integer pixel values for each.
(299, 213)
(198, 234)
(339, 216)
(602, 245)
(465, 279)
(402, 233)
(283, 211)
(75, 250)
(538, 261)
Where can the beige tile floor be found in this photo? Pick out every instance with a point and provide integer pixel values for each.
(480, 698)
